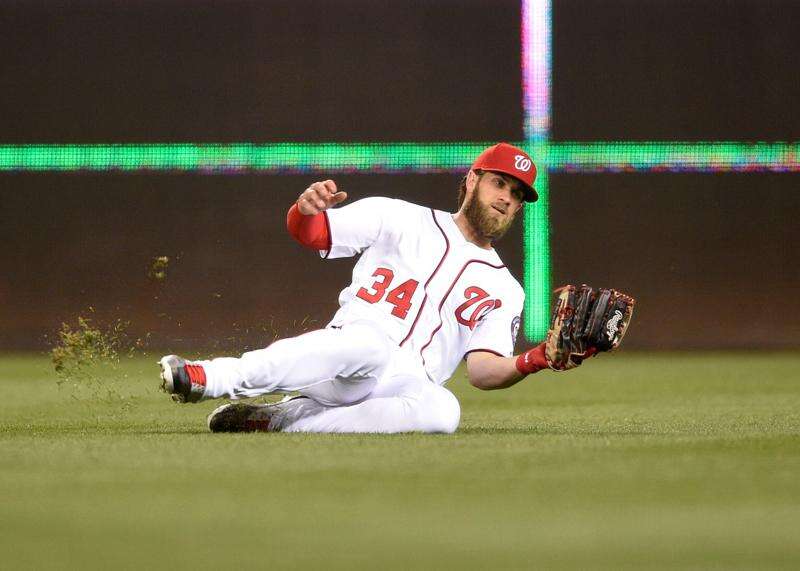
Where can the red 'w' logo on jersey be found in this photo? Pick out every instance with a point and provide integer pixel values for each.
(475, 295)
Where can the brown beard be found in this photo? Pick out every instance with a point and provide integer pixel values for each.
(481, 219)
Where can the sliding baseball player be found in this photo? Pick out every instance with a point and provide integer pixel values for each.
(428, 291)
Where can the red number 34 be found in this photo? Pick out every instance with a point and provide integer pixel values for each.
(399, 297)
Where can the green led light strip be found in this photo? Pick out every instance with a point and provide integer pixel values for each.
(716, 156)
(401, 157)
(536, 266)
(228, 158)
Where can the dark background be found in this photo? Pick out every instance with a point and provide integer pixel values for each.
(305, 70)
(712, 258)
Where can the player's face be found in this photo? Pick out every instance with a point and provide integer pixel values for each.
(493, 204)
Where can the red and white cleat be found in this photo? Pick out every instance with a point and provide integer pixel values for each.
(184, 380)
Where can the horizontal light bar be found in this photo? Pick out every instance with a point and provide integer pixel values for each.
(574, 157)
(244, 157)
(716, 156)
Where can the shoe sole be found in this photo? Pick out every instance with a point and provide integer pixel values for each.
(214, 412)
(245, 417)
(167, 381)
(166, 375)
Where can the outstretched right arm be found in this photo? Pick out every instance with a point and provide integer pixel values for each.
(339, 232)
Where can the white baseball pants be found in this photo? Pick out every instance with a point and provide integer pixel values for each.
(356, 380)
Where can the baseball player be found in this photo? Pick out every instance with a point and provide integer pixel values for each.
(428, 291)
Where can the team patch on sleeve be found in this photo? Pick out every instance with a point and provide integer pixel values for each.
(514, 331)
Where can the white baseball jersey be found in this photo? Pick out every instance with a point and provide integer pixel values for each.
(430, 290)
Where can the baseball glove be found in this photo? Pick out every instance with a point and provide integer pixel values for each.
(586, 321)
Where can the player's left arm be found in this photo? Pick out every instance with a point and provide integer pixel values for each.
(491, 363)
(488, 371)
(586, 321)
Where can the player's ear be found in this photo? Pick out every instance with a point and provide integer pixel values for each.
(521, 204)
(472, 180)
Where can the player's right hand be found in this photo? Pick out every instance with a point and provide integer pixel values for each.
(319, 196)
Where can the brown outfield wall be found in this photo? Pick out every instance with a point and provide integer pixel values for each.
(712, 266)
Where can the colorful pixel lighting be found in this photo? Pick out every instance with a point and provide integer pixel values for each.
(451, 157)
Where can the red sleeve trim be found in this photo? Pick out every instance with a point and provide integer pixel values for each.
(532, 360)
(310, 231)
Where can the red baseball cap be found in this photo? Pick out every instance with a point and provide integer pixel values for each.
(512, 161)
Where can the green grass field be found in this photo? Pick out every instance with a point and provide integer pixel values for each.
(664, 461)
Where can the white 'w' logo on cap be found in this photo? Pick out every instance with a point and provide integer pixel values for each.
(522, 163)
